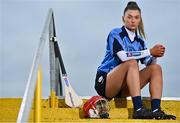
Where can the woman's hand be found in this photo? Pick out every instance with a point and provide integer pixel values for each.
(158, 50)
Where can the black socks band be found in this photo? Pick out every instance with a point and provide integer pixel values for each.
(137, 102)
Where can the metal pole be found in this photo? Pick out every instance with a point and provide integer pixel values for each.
(31, 83)
(55, 77)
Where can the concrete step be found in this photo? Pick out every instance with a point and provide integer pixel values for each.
(121, 111)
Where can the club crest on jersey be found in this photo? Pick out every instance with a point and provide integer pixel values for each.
(101, 79)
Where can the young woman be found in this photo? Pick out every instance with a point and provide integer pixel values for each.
(119, 74)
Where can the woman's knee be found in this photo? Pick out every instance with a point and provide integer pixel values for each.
(132, 63)
(156, 67)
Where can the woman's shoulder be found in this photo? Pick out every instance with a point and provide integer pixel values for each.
(140, 38)
(115, 31)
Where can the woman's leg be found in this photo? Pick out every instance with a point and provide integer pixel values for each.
(152, 74)
(126, 72)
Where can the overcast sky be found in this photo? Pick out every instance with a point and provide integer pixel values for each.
(82, 27)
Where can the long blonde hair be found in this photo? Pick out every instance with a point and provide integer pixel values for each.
(133, 6)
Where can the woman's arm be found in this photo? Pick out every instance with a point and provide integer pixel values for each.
(149, 60)
(158, 50)
(128, 55)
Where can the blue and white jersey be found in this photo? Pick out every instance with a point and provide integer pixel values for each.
(118, 40)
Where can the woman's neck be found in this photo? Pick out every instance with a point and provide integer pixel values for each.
(131, 34)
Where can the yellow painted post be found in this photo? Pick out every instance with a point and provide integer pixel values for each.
(38, 97)
(53, 100)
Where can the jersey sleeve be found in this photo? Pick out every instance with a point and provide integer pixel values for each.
(149, 60)
(128, 55)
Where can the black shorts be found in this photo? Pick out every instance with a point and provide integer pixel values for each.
(100, 83)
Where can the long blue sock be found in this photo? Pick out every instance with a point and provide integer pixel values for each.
(155, 104)
(137, 102)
